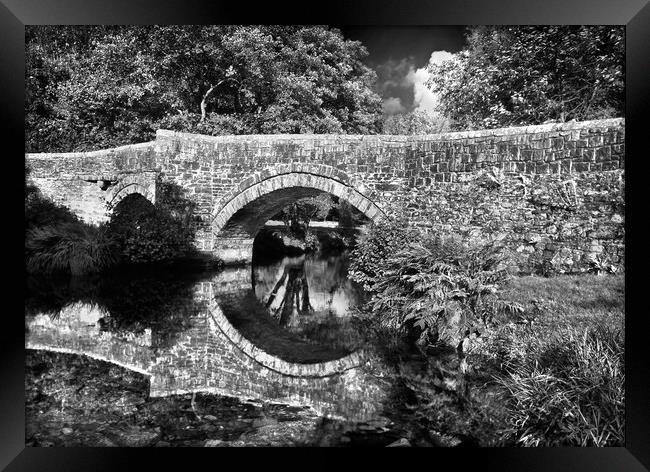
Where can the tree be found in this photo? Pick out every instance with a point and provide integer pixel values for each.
(295, 302)
(521, 75)
(90, 87)
(415, 122)
(297, 215)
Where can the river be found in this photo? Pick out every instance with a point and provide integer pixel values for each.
(281, 333)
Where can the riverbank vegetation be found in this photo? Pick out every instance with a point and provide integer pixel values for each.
(528, 361)
(138, 232)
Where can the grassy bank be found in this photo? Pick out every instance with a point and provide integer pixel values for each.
(552, 375)
(528, 361)
(559, 367)
(579, 300)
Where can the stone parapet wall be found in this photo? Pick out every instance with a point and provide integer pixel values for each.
(106, 164)
(551, 223)
(558, 185)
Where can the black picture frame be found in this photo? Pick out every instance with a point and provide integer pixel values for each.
(635, 14)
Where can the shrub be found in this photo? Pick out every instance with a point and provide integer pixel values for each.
(155, 239)
(566, 389)
(154, 233)
(69, 247)
(440, 287)
(369, 259)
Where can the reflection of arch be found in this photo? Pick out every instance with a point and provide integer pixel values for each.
(264, 193)
(321, 369)
(143, 184)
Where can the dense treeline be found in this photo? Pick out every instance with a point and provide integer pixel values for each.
(101, 86)
(526, 75)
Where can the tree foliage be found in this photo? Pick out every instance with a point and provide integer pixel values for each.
(415, 122)
(521, 75)
(297, 215)
(100, 86)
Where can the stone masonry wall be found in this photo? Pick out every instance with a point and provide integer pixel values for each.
(556, 190)
(88, 182)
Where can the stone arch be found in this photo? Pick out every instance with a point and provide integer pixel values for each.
(287, 178)
(142, 184)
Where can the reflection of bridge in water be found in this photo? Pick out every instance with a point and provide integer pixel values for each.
(211, 355)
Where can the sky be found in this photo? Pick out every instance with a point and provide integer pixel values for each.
(400, 56)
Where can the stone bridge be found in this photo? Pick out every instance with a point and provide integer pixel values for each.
(556, 191)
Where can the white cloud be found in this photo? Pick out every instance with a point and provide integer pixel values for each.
(398, 77)
(423, 98)
(438, 57)
(393, 105)
(392, 72)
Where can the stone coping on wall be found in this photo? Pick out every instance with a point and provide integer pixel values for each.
(168, 134)
(96, 153)
(517, 130)
(321, 369)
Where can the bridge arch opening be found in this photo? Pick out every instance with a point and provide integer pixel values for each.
(124, 191)
(243, 214)
(129, 213)
(141, 183)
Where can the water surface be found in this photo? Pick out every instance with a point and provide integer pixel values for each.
(279, 331)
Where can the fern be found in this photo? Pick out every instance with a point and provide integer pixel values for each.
(438, 287)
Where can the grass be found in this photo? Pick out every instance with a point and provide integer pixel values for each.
(567, 390)
(550, 375)
(559, 367)
(72, 247)
(577, 300)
